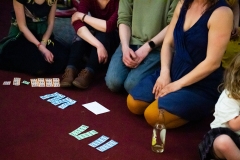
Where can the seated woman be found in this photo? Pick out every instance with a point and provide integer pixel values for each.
(96, 25)
(186, 86)
(30, 46)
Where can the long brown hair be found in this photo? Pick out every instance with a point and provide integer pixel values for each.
(50, 2)
(209, 3)
(232, 78)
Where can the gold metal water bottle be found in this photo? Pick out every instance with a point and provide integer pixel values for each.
(159, 134)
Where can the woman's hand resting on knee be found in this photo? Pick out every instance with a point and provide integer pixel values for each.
(48, 56)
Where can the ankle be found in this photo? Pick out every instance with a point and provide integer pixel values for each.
(89, 69)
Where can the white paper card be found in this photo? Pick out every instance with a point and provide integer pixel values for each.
(96, 108)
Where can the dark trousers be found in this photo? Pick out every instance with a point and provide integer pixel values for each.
(23, 56)
(81, 49)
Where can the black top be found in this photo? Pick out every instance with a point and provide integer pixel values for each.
(37, 10)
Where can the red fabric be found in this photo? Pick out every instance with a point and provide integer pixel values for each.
(76, 3)
(110, 13)
(65, 13)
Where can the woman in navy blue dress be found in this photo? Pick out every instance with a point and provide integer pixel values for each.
(186, 86)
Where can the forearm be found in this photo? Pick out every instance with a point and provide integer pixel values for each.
(86, 35)
(201, 71)
(96, 23)
(166, 59)
(29, 36)
(158, 39)
(21, 21)
(48, 32)
(124, 34)
(167, 50)
(234, 123)
(51, 19)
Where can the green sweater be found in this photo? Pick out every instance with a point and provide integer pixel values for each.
(146, 18)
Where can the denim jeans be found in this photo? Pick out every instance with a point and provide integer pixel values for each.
(120, 76)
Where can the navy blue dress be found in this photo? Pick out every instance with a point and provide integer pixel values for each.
(197, 100)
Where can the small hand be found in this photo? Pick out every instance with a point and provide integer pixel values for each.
(141, 53)
(160, 83)
(102, 54)
(48, 56)
(172, 87)
(129, 57)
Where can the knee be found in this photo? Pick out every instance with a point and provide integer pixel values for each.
(221, 143)
(127, 87)
(133, 106)
(151, 117)
(113, 83)
(129, 84)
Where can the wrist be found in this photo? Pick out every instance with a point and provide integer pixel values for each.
(43, 41)
(125, 45)
(47, 42)
(83, 17)
(147, 47)
(151, 44)
(99, 45)
(165, 71)
(38, 45)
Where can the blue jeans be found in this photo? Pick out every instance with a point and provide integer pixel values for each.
(120, 76)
